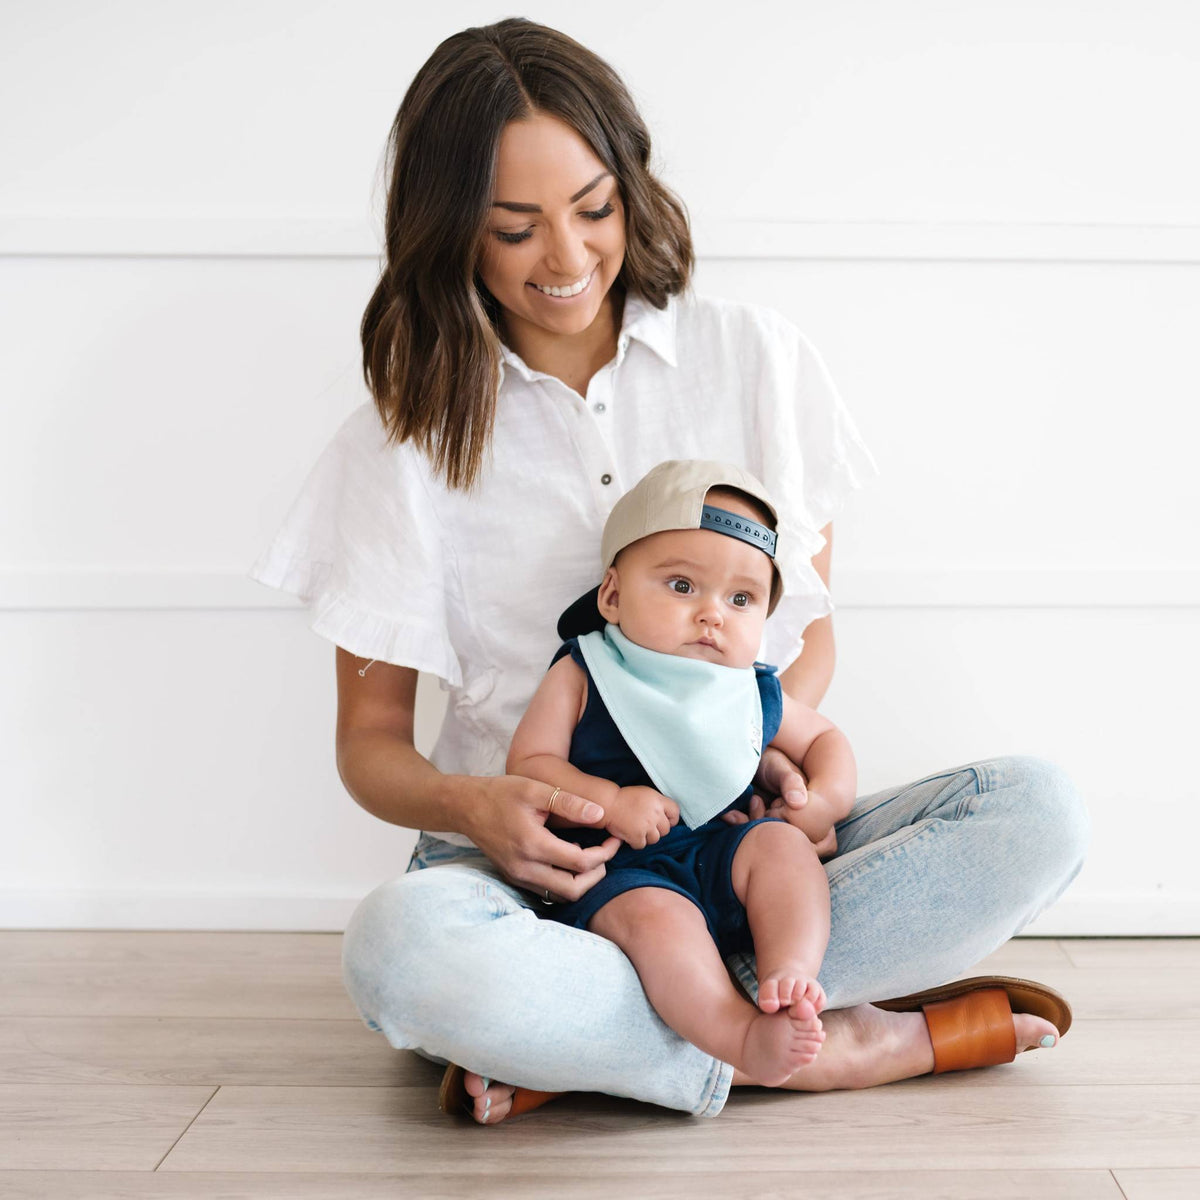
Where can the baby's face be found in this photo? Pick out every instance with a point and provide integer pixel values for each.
(691, 592)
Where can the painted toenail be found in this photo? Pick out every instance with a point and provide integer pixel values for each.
(1048, 1040)
(487, 1083)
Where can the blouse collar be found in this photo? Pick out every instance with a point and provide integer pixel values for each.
(640, 320)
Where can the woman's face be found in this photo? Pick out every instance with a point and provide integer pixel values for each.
(568, 228)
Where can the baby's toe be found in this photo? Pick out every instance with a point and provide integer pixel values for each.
(802, 1009)
(768, 995)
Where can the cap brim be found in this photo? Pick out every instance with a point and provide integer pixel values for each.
(582, 617)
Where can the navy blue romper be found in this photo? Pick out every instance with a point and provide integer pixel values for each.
(696, 863)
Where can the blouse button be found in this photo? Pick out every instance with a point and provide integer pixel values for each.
(606, 479)
(600, 406)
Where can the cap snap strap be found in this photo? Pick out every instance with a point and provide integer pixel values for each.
(720, 521)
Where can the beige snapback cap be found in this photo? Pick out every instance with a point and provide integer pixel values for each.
(671, 496)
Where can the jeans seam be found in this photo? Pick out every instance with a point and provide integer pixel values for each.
(868, 862)
(716, 1089)
(984, 776)
(964, 807)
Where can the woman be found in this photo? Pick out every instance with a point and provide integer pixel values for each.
(532, 348)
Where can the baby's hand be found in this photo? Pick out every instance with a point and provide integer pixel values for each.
(640, 816)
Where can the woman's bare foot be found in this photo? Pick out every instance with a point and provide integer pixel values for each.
(866, 1046)
(777, 1044)
(492, 1100)
(863, 1046)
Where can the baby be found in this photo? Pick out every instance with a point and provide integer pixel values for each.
(655, 708)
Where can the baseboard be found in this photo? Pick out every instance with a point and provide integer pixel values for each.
(162, 909)
(1154, 914)
(1136, 914)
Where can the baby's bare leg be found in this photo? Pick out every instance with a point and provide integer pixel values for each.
(667, 940)
(779, 878)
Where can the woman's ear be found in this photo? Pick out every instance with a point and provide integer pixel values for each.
(607, 599)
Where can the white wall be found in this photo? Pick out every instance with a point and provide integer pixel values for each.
(985, 216)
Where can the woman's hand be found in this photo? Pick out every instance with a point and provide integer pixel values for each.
(780, 778)
(826, 846)
(506, 816)
(641, 816)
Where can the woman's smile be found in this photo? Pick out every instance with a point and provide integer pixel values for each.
(565, 292)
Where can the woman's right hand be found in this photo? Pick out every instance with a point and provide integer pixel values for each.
(506, 816)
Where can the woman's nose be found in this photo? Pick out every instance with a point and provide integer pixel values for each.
(567, 257)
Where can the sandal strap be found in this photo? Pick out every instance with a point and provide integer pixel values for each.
(972, 1030)
(526, 1100)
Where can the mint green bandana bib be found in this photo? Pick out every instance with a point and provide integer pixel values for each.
(695, 726)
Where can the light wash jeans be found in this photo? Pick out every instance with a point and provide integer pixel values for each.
(453, 962)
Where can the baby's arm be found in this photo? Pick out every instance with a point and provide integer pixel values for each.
(542, 742)
(814, 743)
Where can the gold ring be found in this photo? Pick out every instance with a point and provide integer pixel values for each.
(553, 797)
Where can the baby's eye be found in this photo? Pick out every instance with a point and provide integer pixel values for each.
(681, 586)
(740, 599)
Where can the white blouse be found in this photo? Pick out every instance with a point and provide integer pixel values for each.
(469, 586)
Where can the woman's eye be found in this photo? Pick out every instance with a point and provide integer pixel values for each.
(596, 215)
(681, 586)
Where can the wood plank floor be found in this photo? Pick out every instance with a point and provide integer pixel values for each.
(230, 1065)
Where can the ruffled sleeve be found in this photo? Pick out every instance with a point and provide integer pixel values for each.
(813, 458)
(363, 547)
(819, 451)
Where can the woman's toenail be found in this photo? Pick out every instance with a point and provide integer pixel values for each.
(1048, 1040)
(487, 1083)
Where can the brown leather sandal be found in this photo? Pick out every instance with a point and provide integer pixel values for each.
(453, 1096)
(970, 1020)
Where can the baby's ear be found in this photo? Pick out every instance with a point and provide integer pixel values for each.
(608, 599)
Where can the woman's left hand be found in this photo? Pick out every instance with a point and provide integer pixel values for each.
(778, 776)
(781, 778)
(825, 848)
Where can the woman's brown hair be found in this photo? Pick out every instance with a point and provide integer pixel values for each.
(430, 334)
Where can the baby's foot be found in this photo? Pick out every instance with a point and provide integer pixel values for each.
(790, 986)
(778, 1044)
